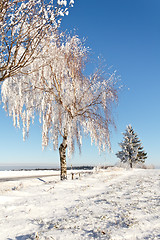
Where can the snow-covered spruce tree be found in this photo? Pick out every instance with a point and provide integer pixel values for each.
(23, 26)
(69, 103)
(132, 150)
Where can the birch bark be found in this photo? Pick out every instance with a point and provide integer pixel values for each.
(62, 153)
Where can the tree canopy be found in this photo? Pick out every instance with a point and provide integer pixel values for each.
(24, 24)
(63, 96)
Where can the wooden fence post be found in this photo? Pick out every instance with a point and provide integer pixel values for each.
(72, 176)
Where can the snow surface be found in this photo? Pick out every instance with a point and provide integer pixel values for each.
(115, 204)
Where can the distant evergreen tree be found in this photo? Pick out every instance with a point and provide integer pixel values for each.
(132, 150)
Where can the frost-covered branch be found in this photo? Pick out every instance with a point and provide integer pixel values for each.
(24, 27)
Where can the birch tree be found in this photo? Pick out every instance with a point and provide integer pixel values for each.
(23, 26)
(69, 103)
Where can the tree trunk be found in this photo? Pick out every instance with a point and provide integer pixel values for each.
(130, 159)
(62, 153)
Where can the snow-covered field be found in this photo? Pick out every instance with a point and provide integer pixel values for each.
(108, 204)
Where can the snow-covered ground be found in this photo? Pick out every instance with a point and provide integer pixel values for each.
(108, 204)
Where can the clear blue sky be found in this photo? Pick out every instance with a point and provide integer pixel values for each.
(127, 34)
